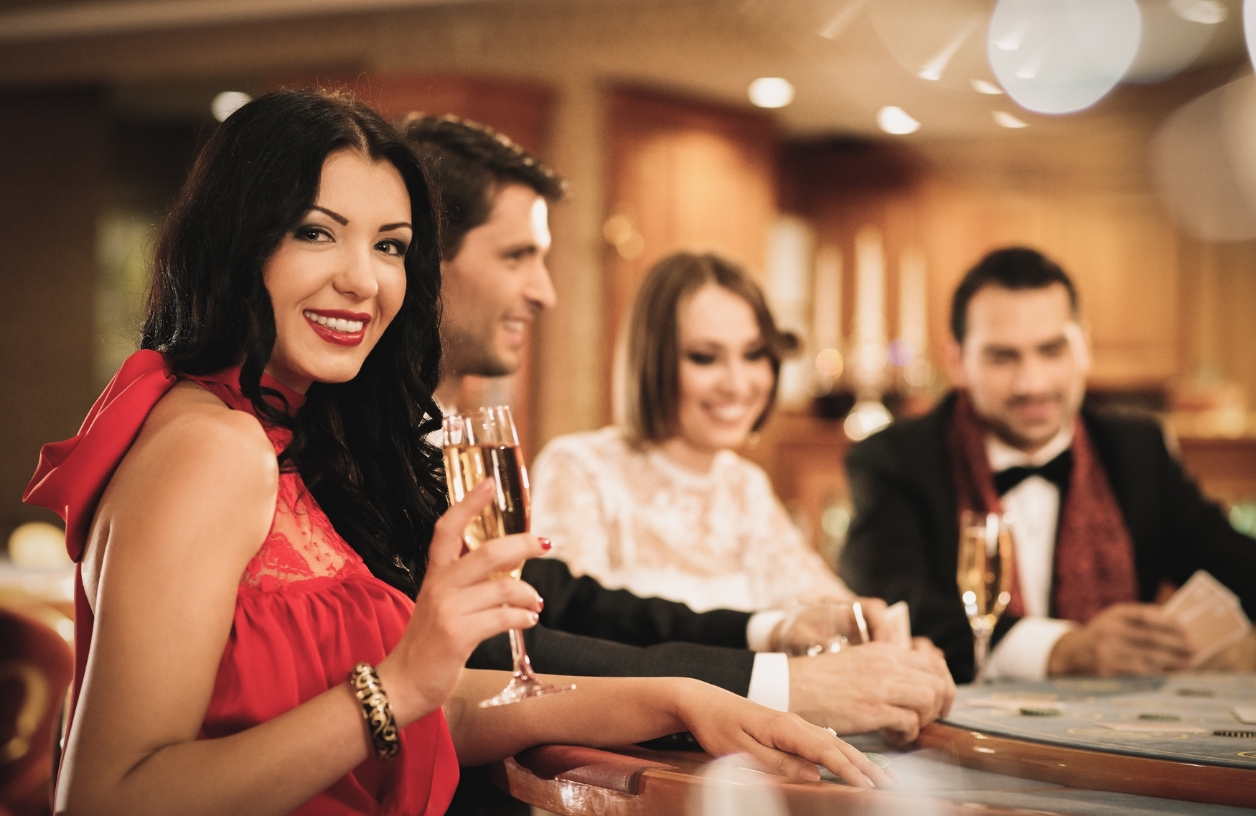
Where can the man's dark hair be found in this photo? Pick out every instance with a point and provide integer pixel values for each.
(468, 163)
(359, 445)
(1012, 268)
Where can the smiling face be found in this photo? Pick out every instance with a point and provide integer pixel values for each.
(338, 279)
(496, 285)
(1024, 362)
(724, 372)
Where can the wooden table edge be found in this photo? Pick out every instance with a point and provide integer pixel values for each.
(1093, 769)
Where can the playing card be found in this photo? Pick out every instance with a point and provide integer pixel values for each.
(1154, 728)
(1210, 614)
(898, 621)
(1246, 714)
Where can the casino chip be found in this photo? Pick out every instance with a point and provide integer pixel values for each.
(1040, 712)
(1160, 717)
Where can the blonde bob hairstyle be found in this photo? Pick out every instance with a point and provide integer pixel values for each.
(647, 381)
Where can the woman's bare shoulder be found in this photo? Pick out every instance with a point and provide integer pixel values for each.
(199, 477)
(199, 429)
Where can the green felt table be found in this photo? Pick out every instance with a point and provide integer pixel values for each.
(1180, 737)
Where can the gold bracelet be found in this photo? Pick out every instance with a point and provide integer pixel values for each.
(379, 717)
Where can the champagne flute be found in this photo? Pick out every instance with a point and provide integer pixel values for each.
(478, 445)
(984, 577)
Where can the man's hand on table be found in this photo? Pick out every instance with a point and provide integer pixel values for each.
(1125, 639)
(877, 686)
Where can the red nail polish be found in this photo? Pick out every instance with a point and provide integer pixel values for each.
(546, 544)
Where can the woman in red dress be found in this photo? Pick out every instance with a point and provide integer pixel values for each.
(253, 507)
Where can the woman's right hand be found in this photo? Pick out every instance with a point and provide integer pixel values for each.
(782, 743)
(458, 606)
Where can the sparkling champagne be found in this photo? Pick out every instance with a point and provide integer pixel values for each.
(983, 577)
(468, 465)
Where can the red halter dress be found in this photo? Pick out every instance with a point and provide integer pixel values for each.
(307, 609)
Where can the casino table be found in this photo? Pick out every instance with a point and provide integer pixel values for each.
(1087, 747)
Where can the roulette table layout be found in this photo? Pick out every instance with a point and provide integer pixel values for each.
(1189, 737)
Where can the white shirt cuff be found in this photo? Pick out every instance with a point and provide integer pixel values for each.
(1023, 652)
(769, 680)
(759, 629)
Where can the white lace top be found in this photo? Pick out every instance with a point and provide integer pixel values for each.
(638, 521)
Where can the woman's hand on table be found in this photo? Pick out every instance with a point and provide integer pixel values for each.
(459, 605)
(782, 743)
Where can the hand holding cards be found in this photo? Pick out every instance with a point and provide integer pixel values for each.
(1209, 613)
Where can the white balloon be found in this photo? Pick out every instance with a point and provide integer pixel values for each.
(1249, 28)
(1204, 163)
(1060, 56)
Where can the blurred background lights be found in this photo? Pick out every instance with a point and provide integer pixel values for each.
(1060, 56)
(1204, 163)
(1249, 28)
(1207, 12)
(227, 103)
(895, 120)
(1007, 120)
(829, 363)
(771, 92)
(984, 86)
(901, 352)
(39, 545)
(1173, 35)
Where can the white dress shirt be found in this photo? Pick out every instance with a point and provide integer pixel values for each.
(1033, 509)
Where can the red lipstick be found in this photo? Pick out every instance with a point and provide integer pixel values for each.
(333, 336)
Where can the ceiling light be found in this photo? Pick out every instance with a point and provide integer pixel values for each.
(1007, 120)
(985, 87)
(227, 103)
(893, 119)
(771, 92)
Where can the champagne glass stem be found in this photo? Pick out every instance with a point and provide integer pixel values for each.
(519, 654)
(981, 651)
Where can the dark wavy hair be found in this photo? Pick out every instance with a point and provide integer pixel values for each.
(358, 445)
(468, 163)
(647, 382)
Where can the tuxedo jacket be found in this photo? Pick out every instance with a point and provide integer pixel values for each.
(904, 538)
(587, 629)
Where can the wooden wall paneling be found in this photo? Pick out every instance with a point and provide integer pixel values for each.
(687, 175)
(53, 149)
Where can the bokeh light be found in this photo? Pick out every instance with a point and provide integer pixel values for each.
(1204, 163)
(227, 103)
(894, 120)
(771, 92)
(1060, 56)
(1007, 120)
(829, 363)
(1249, 28)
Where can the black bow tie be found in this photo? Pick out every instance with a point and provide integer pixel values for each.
(1056, 471)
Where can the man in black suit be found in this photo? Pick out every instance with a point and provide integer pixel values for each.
(494, 282)
(1102, 514)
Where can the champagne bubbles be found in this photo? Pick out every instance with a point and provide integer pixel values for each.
(1061, 56)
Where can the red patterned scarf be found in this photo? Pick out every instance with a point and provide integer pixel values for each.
(1094, 554)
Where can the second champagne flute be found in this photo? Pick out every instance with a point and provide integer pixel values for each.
(984, 577)
(479, 445)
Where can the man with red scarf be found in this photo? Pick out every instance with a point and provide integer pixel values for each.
(1102, 514)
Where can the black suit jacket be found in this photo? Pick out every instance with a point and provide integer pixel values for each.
(587, 629)
(904, 539)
